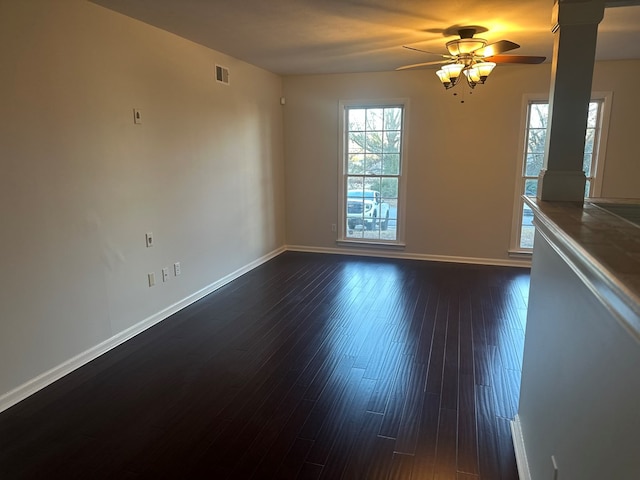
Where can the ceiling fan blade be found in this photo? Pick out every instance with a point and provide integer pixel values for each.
(418, 65)
(515, 59)
(425, 51)
(496, 48)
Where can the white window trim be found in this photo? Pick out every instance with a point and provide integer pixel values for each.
(402, 180)
(516, 219)
(607, 99)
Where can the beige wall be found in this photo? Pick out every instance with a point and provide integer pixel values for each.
(80, 184)
(622, 171)
(462, 156)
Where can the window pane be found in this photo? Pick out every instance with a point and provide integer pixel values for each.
(586, 163)
(527, 230)
(372, 184)
(587, 188)
(390, 164)
(374, 142)
(374, 118)
(589, 140)
(530, 188)
(391, 142)
(389, 189)
(355, 183)
(393, 118)
(538, 115)
(373, 164)
(590, 143)
(356, 119)
(355, 163)
(536, 140)
(534, 164)
(356, 142)
(592, 119)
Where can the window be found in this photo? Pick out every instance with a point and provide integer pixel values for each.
(371, 172)
(537, 115)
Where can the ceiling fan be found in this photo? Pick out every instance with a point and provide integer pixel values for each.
(472, 57)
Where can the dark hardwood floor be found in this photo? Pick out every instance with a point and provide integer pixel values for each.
(309, 367)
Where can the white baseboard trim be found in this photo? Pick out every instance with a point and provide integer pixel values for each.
(387, 253)
(30, 387)
(519, 447)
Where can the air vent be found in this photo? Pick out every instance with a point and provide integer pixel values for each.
(222, 74)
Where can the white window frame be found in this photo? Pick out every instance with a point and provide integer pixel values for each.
(598, 159)
(343, 173)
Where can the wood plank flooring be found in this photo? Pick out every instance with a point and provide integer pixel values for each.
(308, 367)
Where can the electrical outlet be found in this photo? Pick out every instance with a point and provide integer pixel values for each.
(177, 270)
(165, 274)
(149, 239)
(152, 279)
(333, 227)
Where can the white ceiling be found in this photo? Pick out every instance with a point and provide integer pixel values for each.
(292, 37)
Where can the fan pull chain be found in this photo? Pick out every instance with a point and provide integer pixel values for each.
(455, 94)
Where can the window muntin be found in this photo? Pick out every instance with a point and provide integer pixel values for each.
(372, 168)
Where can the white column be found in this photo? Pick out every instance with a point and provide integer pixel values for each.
(575, 25)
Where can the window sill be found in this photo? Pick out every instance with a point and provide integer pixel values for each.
(365, 244)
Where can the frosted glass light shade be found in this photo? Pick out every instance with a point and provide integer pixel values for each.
(444, 78)
(465, 46)
(484, 69)
(473, 74)
(453, 70)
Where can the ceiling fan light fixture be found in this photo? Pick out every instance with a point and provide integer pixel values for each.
(472, 57)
